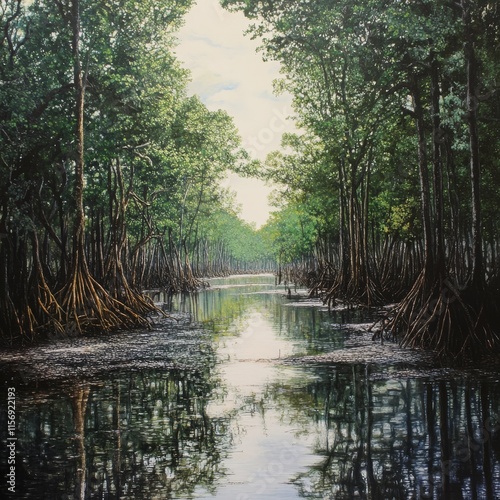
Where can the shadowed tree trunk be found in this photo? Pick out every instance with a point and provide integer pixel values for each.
(472, 69)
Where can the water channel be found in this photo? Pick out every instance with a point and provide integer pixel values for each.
(231, 398)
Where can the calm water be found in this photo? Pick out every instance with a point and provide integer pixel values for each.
(208, 409)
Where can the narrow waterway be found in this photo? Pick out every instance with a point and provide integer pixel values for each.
(233, 397)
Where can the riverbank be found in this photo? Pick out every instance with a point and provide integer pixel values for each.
(179, 341)
(172, 343)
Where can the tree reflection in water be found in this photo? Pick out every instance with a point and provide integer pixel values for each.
(142, 435)
(404, 439)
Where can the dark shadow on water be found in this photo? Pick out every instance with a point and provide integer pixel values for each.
(139, 435)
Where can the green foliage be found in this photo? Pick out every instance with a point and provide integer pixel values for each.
(243, 242)
(399, 104)
(291, 233)
(398, 218)
(154, 158)
(350, 68)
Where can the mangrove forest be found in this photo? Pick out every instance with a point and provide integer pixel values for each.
(161, 340)
(387, 197)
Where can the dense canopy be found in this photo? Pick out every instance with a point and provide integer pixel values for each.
(110, 176)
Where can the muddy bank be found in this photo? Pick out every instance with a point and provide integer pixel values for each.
(172, 343)
(179, 342)
(387, 360)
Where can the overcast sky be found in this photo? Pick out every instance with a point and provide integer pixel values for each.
(228, 74)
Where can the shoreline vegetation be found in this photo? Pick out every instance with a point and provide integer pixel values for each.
(190, 347)
(111, 174)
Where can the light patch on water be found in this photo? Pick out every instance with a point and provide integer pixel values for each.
(256, 339)
(243, 285)
(265, 459)
(77, 350)
(269, 449)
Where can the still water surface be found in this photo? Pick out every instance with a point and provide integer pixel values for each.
(227, 418)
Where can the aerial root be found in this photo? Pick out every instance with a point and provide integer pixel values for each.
(445, 320)
(88, 306)
(360, 292)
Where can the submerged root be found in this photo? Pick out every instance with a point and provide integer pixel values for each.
(83, 305)
(121, 291)
(40, 311)
(49, 312)
(12, 322)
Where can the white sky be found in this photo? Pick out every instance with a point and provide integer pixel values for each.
(228, 74)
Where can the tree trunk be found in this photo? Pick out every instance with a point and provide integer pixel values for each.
(424, 177)
(477, 274)
(437, 142)
(79, 227)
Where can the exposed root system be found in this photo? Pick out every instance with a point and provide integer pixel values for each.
(88, 306)
(438, 316)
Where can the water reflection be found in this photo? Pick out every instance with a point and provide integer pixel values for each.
(140, 435)
(243, 426)
(242, 306)
(411, 438)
